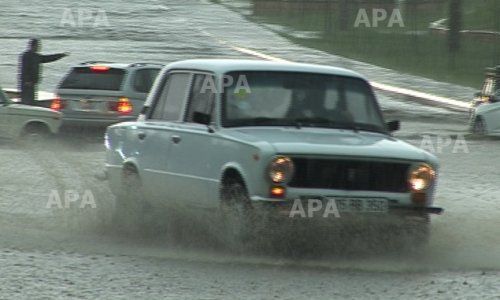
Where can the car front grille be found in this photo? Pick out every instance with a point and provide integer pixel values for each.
(348, 174)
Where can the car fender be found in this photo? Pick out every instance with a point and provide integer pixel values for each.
(132, 162)
(489, 113)
(52, 129)
(115, 173)
(240, 170)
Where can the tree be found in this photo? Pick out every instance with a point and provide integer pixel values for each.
(455, 22)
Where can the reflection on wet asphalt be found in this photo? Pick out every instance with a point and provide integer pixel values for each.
(50, 252)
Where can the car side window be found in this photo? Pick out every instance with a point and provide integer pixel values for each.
(144, 79)
(202, 96)
(170, 103)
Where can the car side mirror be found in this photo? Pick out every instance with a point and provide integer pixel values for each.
(393, 125)
(201, 118)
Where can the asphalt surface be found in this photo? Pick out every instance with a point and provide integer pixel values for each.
(56, 249)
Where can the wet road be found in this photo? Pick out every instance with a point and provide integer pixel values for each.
(51, 251)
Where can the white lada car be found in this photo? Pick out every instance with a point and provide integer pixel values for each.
(25, 121)
(294, 140)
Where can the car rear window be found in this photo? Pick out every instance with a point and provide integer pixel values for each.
(94, 78)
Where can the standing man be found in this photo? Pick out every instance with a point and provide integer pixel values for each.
(29, 72)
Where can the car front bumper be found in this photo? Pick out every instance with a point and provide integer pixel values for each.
(289, 208)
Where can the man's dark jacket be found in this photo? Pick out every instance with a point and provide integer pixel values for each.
(30, 73)
(30, 65)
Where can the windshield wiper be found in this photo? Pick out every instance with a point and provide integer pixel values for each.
(320, 122)
(265, 121)
(259, 121)
(329, 123)
(361, 126)
(349, 125)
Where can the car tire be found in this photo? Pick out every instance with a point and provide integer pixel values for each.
(35, 134)
(236, 213)
(479, 126)
(128, 214)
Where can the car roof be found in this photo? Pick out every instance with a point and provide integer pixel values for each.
(222, 66)
(116, 65)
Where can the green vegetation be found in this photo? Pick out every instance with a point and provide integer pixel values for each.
(482, 15)
(407, 46)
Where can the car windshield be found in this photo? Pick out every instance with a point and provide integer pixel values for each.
(91, 78)
(262, 98)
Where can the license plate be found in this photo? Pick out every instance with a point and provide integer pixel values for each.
(86, 105)
(361, 205)
(349, 205)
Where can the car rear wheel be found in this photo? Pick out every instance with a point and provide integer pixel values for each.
(35, 134)
(236, 212)
(479, 126)
(128, 213)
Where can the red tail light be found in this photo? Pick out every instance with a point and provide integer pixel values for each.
(57, 104)
(123, 106)
(99, 69)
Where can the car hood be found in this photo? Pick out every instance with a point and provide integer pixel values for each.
(320, 141)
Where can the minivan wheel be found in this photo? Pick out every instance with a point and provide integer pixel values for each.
(236, 212)
(128, 214)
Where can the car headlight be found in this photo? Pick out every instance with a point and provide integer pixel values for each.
(421, 177)
(281, 169)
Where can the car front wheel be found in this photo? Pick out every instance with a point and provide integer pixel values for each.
(236, 212)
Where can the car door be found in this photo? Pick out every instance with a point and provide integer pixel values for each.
(191, 146)
(154, 136)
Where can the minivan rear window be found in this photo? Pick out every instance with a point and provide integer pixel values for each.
(92, 78)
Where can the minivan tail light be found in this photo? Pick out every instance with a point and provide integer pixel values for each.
(99, 69)
(57, 104)
(122, 106)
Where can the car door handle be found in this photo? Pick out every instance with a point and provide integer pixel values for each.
(176, 139)
(141, 135)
